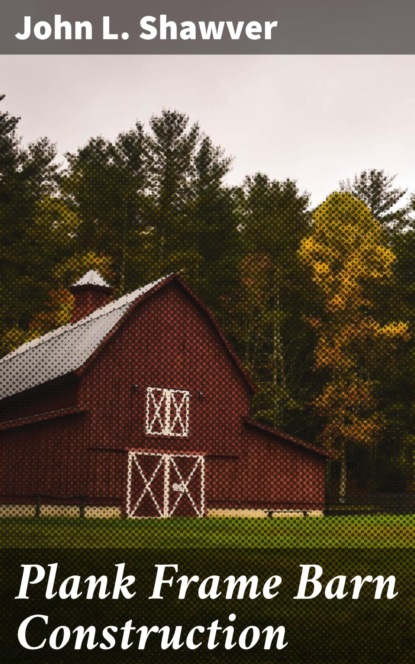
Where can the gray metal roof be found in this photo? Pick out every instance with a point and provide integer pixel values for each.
(65, 349)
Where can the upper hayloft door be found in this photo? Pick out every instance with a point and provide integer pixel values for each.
(165, 485)
(167, 412)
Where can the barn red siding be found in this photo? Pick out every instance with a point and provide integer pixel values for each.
(279, 474)
(45, 459)
(224, 486)
(104, 485)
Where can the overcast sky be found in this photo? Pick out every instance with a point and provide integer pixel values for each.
(316, 119)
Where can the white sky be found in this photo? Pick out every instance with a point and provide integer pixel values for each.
(316, 119)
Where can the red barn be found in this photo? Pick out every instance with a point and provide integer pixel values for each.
(139, 407)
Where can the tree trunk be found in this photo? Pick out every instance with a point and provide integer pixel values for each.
(278, 362)
(373, 459)
(279, 377)
(343, 475)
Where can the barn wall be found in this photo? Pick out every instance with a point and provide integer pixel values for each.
(279, 474)
(168, 343)
(104, 485)
(223, 482)
(45, 459)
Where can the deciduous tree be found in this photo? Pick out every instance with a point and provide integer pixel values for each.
(345, 251)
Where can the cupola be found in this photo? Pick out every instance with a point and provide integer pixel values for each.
(91, 292)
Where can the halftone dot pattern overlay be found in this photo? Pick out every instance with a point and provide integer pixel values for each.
(211, 374)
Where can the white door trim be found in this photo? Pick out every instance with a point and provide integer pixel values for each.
(167, 461)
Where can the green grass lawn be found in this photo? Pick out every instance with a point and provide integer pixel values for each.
(326, 532)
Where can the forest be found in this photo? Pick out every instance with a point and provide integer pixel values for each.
(319, 303)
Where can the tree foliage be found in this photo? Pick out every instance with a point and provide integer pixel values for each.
(27, 175)
(268, 315)
(378, 192)
(345, 251)
(306, 298)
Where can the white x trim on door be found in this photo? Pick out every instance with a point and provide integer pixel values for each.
(166, 462)
(147, 485)
(184, 487)
(167, 412)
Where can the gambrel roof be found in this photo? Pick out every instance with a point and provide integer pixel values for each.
(67, 349)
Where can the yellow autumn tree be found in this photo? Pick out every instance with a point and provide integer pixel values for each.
(347, 253)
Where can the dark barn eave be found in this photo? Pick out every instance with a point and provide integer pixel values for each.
(52, 396)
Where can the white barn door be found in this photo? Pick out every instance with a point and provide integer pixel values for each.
(165, 485)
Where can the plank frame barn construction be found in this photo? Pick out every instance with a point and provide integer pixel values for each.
(139, 407)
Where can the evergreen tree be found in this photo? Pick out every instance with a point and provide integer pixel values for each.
(172, 145)
(213, 231)
(397, 375)
(274, 339)
(154, 202)
(105, 186)
(378, 192)
(27, 176)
